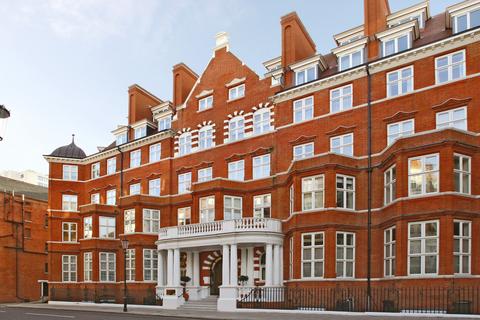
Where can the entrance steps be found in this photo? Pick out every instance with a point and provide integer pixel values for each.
(207, 304)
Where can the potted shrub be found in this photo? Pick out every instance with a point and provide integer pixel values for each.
(184, 280)
(243, 280)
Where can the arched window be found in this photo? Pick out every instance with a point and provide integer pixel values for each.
(261, 121)
(205, 137)
(236, 128)
(262, 267)
(185, 143)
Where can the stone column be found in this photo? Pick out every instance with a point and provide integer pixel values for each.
(281, 267)
(233, 265)
(189, 270)
(170, 267)
(176, 267)
(268, 265)
(160, 270)
(196, 269)
(243, 261)
(250, 269)
(226, 265)
(276, 265)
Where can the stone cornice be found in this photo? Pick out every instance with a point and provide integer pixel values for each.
(451, 103)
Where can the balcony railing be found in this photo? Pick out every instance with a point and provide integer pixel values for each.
(223, 226)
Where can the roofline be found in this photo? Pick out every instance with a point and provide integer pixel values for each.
(136, 86)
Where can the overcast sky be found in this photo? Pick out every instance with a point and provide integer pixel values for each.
(65, 65)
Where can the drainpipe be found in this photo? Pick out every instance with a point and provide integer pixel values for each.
(369, 202)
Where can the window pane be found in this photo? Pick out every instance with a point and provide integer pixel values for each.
(461, 23)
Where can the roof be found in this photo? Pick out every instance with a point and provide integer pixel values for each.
(69, 151)
(29, 190)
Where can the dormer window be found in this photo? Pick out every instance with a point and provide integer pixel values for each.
(350, 60)
(465, 21)
(140, 132)
(164, 123)
(121, 139)
(305, 75)
(396, 44)
(236, 92)
(205, 103)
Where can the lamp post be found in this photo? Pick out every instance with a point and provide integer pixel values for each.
(4, 114)
(125, 247)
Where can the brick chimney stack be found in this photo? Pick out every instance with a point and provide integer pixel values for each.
(375, 16)
(139, 103)
(296, 42)
(183, 81)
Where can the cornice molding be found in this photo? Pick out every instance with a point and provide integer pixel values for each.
(340, 130)
(302, 139)
(452, 103)
(399, 116)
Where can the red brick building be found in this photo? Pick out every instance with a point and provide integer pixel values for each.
(23, 241)
(274, 177)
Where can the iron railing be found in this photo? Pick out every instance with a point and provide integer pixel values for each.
(462, 300)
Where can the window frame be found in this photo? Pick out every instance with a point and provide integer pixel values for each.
(312, 259)
(153, 186)
(71, 230)
(207, 103)
(87, 266)
(313, 192)
(164, 123)
(95, 198)
(304, 71)
(128, 222)
(202, 177)
(150, 224)
(153, 258)
(69, 172)
(95, 170)
(207, 211)
(462, 173)
(344, 260)
(235, 93)
(69, 205)
(108, 271)
(341, 98)
(111, 165)
(390, 247)
(345, 191)
(261, 170)
(72, 270)
(424, 173)
(107, 227)
(237, 132)
(342, 144)
(155, 152)
(461, 238)
(304, 109)
(185, 143)
(262, 206)
(130, 258)
(468, 21)
(399, 82)
(395, 39)
(133, 187)
(390, 187)
(303, 155)
(135, 158)
(238, 172)
(140, 132)
(87, 232)
(184, 182)
(401, 133)
(263, 125)
(207, 141)
(449, 66)
(451, 122)
(350, 59)
(184, 216)
(109, 197)
(231, 210)
(423, 252)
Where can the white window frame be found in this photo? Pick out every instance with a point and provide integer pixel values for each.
(130, 267)
(402, 132)
(135, 158)
(165, 123)
(389, 251)
(185, 143)
(314, 192)
(69, 268)
(450, 65)
(106, 226)
(205, 137)
(312, 260)
(129, 221)
(112, 197)
(150, 269)
(467, 14)
(342, 98)
(205, 103)
(232, 212)
(87, 267)
(345, 191)
(344, 261)
(207, 209)
(390, 185)
(304, 109)
(261, 166)
(111, 165)
(292, 199)
(96, 170)
(236, 170)
(184, 182)
(303, 154)
(461, 253)
(107, 258)
(87, 227)
(395, 43)
(462, 173)
(350, 60)
(95, 198)
(121, 139)
(155, 152)
(236, 128)
(236, 92)
(290, 258)
(262, 206)
(423, 173)
(154, 187)
(205, 174)
(340, 149)
(305, 72)
(69, 202)
(261, 121)
(135, 189)
(423, 238)
(151, 220)
(451, 123)
(71, 230)
(70, 172)
(140, 132)
(184, 216)
(398, 83)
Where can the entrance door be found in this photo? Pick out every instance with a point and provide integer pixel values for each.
(216, 278)
(43, 290)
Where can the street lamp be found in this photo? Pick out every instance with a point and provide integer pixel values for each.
(4, 114)
(124, 247)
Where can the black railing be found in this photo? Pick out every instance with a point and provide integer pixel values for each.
(464, 300)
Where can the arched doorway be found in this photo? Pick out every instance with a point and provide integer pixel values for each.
(216, 277)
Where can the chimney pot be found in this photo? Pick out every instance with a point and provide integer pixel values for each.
(221, 40)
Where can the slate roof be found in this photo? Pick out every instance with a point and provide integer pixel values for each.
(69, 151)
(29, 190)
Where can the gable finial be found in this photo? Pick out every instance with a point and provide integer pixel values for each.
(73, 137)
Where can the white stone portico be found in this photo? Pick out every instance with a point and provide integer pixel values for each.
(229, 238)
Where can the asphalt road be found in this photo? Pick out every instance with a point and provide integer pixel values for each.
(9, 313)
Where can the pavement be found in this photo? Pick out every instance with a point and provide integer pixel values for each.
(37, 311)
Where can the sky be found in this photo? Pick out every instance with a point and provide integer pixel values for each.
(66, 65)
